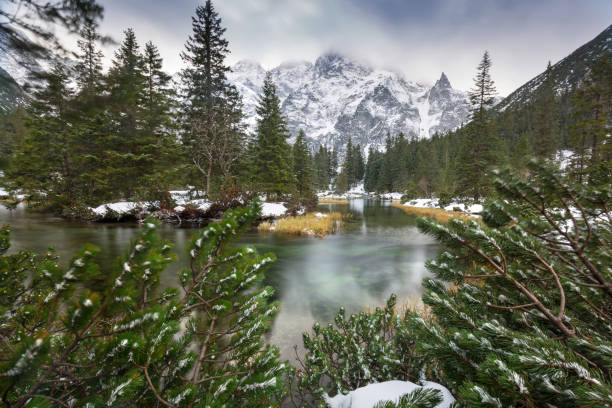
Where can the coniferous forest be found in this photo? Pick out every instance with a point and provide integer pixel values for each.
(515, 309)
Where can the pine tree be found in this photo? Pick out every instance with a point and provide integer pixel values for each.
(477, 152)
(358, 165)
(91, 120)
(545, 137)
(124, 158)
(86, 336)
(302, 168)
(12, 133)
(346, 179)
(212, 113)
(372, 170)
(529, 323)
(273, 169)
(520, 313)
(89, 65)
(44, 162)
(322, 166)
(590, 132)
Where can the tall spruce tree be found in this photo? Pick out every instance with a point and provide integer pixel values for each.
(212, 113)
(302, 168)
(159, 128)
(590, 132)
(273, 169)
(89, 65)
(125, 157)
(45, 160)
(372, 170)
(477, 152)
(322, 165)
(545, 126)
(92, 116)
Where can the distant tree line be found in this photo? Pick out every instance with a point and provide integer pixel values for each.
(456, 163)
(87, 136)
(132, 133)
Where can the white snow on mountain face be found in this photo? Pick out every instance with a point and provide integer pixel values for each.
(337, 97)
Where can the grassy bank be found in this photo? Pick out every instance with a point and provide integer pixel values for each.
(313, 224)
(332, 201)
(437, 214)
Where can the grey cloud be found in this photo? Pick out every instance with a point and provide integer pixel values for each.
(418, 38)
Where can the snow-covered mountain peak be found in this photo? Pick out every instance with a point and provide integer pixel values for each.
(247, 66)
(333, 64)
(443, 82)
(337, 97)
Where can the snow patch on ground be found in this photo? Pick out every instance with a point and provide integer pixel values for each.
(391, 196)
(370, 395)
(358, 189)
(433, 203)
(273, 209)
(121, 207)
(320, 215)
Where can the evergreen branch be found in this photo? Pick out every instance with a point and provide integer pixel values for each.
(145, 369)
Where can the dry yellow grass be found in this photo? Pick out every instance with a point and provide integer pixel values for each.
(305, 225)
(332, 201)
(437, 214)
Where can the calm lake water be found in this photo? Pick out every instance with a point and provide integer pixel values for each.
(379, 251)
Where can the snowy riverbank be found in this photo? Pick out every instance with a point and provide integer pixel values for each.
(187, 209)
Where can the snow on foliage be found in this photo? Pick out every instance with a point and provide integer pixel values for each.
(370, 395)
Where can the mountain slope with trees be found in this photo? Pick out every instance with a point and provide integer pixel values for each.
(565, 74)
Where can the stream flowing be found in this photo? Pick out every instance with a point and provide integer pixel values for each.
(378, 251)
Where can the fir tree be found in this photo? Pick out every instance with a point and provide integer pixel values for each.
(372, 170)
(159, 130)
(302, 168)
(590, 132)
(322, 166)
(125, 160)
(89, 65)
(92, 119)
(545, 132)
(45, 160)
(529, 323)
(477, 152)
(212, 112)
(272, 166)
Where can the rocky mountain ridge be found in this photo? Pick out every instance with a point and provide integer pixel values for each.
(337, 97)
(10, 92)
(566, 74)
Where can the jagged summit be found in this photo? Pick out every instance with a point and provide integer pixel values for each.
(334, 64)
(443, 82)
(246, 65)
(337, 97)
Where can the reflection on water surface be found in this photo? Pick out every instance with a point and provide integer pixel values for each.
(379, 251)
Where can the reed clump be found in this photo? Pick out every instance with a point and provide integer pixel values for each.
(438, 214)
(312, 224)
(333, 201)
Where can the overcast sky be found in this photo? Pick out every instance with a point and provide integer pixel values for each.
(418, 38)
